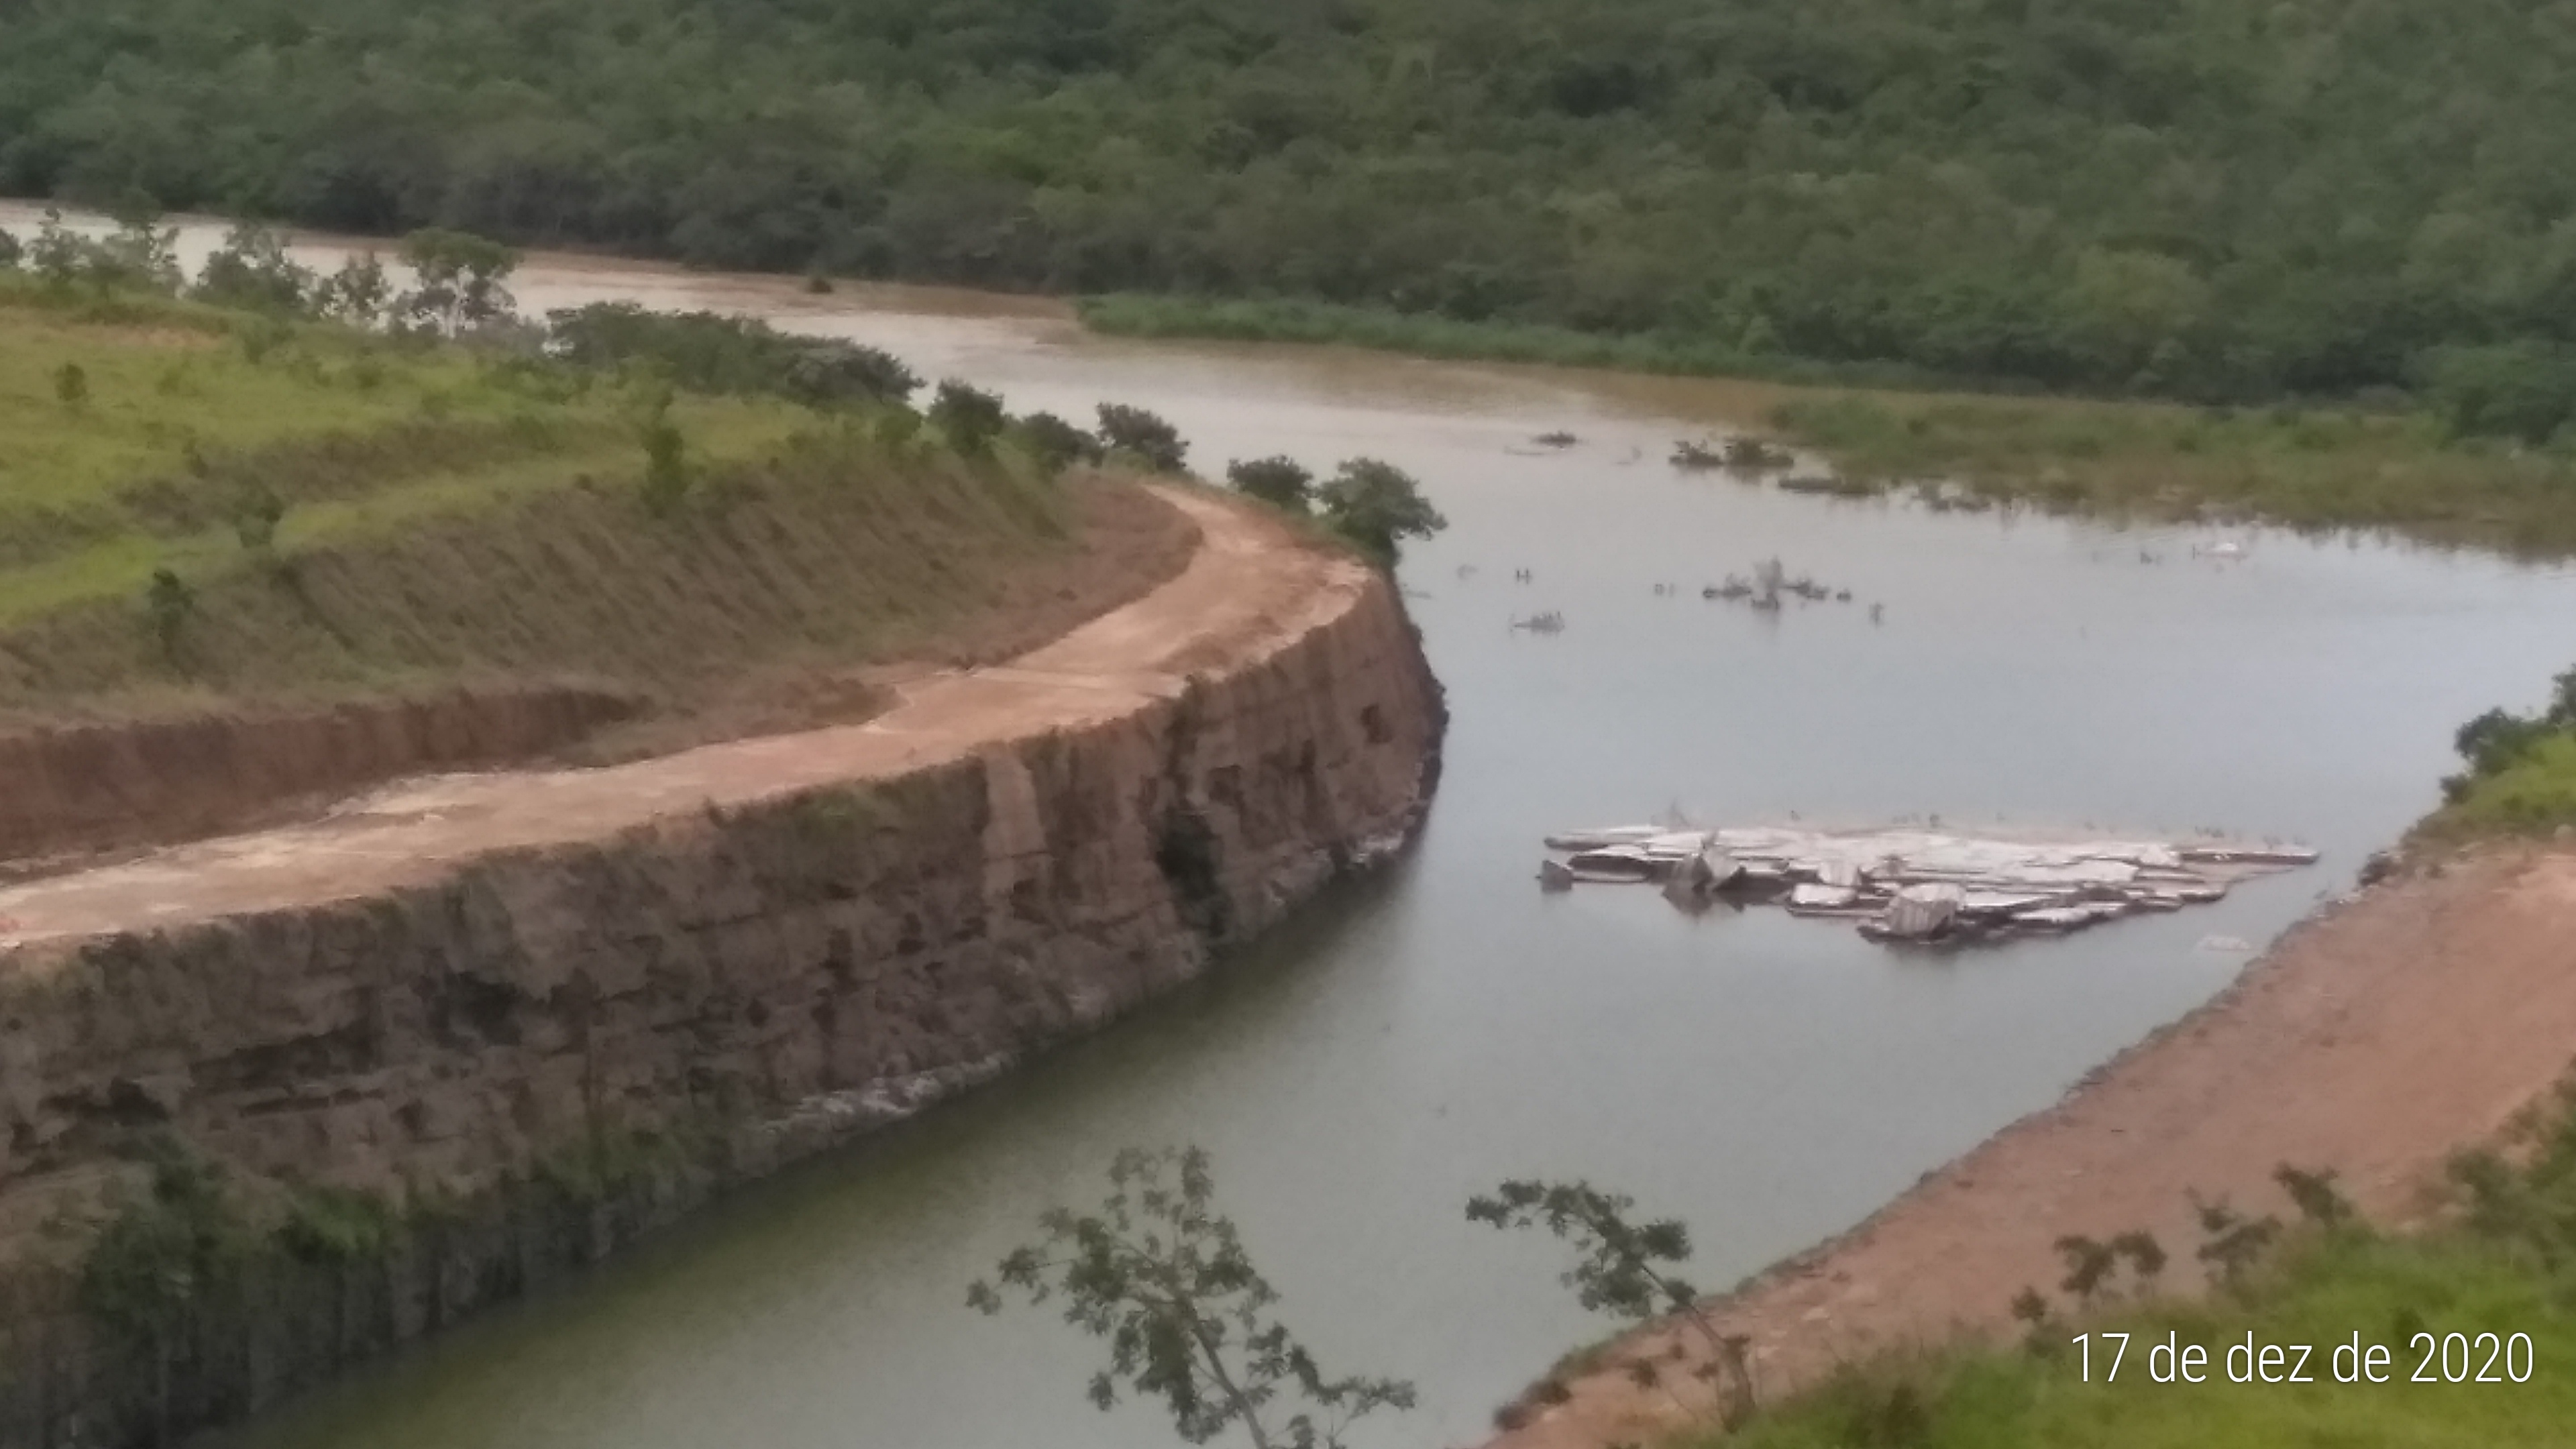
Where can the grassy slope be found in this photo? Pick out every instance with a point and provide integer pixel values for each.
(2323, 1292)
(449, 516)
(2305, 467)
(2534, 795)
(2501, 1259)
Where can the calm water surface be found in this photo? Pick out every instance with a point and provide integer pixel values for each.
(1423, 1035)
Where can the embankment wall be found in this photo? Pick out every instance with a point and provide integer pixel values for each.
(427, 1099)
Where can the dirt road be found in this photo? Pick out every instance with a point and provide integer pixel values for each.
(2375, 1039)
(1251, 588)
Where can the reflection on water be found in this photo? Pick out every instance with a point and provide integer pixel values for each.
(1772, 1080)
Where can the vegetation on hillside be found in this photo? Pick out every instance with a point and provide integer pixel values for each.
(2206, 200)
(2519, 771)
(259, 480)
(2447, 1306)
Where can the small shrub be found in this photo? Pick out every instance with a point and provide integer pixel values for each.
(2315, 1195)
(252, 271)
(2232, 1243)
(256, 517)
(968, 417)
(1146, 435)
(666, 464)
(170, 604)
(896, 430)
(1377, 506)
(1281, 482)
(1056, 444)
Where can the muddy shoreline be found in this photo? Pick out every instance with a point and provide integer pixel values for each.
(2385, 1031)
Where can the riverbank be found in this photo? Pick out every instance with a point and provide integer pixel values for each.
(2385, 1033)
(455, 1033)
(2319, 464)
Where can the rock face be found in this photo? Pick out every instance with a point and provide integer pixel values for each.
(561, 1045)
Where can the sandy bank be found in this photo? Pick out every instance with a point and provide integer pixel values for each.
(2376, 1038)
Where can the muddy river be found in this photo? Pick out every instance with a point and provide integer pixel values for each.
(1423, 1035)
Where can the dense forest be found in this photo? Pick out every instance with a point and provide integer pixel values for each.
(2203, 199)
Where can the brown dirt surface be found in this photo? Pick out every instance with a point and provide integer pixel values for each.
(1251, 588)
(2376, 1039)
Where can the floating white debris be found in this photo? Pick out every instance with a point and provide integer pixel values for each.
(1921, 912)
(1822, 898)
(1912, 884)
(1615, 863)
(1610, 835)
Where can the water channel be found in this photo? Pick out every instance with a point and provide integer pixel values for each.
(1420, 1036)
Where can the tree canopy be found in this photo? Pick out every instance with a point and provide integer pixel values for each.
(2199, 199)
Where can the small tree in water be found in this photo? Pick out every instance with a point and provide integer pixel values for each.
(1165, 1279)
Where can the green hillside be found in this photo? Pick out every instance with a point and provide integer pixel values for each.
(202, 505)
(2206, 200)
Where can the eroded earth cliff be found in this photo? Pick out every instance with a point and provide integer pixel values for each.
(330, 1085)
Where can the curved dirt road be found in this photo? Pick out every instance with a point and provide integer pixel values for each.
(1250, 589)
(2375, 1039)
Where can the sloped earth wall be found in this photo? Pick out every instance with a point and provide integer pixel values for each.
(431, 1096)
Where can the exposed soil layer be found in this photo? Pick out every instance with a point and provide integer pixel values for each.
(69, 788)
(2377, 1038)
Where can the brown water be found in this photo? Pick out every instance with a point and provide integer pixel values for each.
(1424, 1035)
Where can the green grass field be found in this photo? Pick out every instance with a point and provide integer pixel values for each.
(346, 512)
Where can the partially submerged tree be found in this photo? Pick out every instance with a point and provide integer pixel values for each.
(1625, 1267)
(1377, 506)
(1165, 1278)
